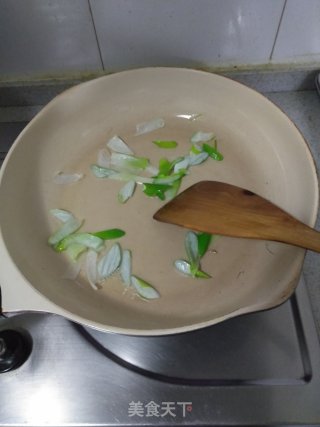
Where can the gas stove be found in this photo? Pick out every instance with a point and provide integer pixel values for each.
(257, 369)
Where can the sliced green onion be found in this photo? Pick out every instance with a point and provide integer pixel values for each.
(102, 172)
(123, 176)
(168, 179)
(126, 191)
(156, 190)
(110, 261)
(64, 178)
(173, 189)
(152, 170)
(112, 233)
(182, 165)
(144, 288)
(165, 144)
(195, 149)
(184, 267)
(117, 144)
(200, 274)
(61, 214)
(75, 250)
(103, 158)
(176, 160)
(91, 268)
(125, 161)
(197, 159)
(191, 247)
(212, 152)
(86, 239)
(204, 240)
(164, 167)
(145, 127)
(202, 137)
(126, 267)
(67, 228)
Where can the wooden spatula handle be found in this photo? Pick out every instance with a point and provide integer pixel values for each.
(220, 208)
(299, 234)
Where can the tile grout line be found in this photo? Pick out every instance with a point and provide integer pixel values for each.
(96, 35)
(278, 29)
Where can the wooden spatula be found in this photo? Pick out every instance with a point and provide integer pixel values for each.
(219, 208)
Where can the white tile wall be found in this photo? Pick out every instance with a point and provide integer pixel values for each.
(135, 33)
(41, 37)
(46, 36)
(299, 34)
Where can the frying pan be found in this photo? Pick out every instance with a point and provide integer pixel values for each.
(263, 152)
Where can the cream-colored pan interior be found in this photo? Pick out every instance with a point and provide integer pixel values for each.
(263, 151)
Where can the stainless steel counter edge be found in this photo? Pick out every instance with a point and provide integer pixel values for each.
(271, 79)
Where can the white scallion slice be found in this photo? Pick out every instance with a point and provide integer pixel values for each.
(202, 137)
(91, 268)
(103, 158)
(64, 178)
(117, 144)
(191, 247)
(109, 262)
(173, 190)
(128, 162)
(149, 126)
(184, 267)
(67, 228)
(197, 159)
(152, 170)
(126, 191)
(86, 239)
(144, 288)
(183, 164)
(102, 172)
(61, 214)
(74, 250)
(167, 179)
(125, 176)
(126, 267)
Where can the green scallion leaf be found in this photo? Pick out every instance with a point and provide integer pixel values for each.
(156, 190)
(199, 274)
(165, 144)
(112, 233)
(164, 167)
(195, 149)
(212, 151)
(204, 240)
